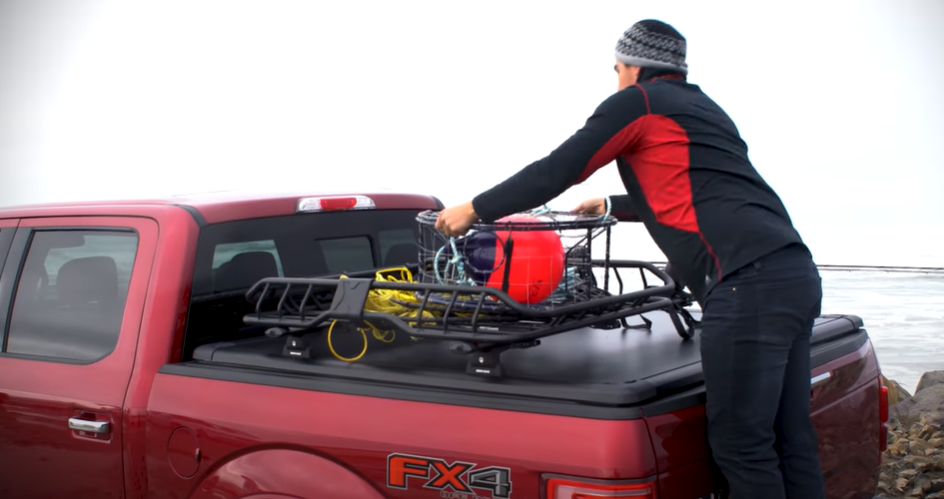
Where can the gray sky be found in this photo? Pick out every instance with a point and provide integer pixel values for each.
(839, 101)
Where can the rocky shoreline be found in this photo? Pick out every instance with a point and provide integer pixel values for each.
(913, 463)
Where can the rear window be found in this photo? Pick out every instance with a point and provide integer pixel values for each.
(224, 253)
(236, 255)
(233, 256)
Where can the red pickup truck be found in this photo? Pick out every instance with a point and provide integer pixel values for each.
(128, 369)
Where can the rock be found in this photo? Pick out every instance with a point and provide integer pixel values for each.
(913, 462)
(923, 482)
(937, 485)
(882, 486)
(928, 379)
(896, 393)
(923, 464)
(901, 484)
(926, 405)
(926, 432)
(898, 448)
(918, 447)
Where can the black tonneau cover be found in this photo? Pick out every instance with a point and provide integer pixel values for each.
(615, 368)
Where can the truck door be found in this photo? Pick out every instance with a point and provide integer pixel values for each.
(71, 297)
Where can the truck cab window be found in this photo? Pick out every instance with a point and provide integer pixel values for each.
(354, 254)
(227, 251)
(347, 254)
(398, 246)
(233, 256)
(341, 254)
(236, 264)
(71, 292)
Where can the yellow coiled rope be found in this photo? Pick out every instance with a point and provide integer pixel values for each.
(382, 300)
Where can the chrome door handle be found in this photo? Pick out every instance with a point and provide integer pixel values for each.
(819, 380)
(97, 427)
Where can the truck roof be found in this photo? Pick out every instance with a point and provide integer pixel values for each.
(217, 207)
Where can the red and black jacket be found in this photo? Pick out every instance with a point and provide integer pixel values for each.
(686, 172)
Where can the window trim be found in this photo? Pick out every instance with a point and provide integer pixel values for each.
(7, 254)
(6, 241)
(10, 279)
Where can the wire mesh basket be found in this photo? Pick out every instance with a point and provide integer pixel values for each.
(541, 259)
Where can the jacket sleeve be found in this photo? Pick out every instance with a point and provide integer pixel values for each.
(611, 131)
(621, 207)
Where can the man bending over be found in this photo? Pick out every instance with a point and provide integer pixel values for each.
(726, 233)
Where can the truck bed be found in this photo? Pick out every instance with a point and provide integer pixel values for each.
(607, 374)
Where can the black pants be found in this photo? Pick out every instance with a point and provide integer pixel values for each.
(755, 344)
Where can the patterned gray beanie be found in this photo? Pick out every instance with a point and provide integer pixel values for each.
(652, 44)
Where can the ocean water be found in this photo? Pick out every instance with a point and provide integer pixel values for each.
(903, 313)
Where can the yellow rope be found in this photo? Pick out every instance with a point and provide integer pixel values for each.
(382, 300)
(336, 354)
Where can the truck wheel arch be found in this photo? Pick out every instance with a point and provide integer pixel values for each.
(283, 474)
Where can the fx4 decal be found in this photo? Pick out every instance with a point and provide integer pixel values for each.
(458, 480)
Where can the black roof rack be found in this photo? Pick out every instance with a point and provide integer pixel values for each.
(482, 318)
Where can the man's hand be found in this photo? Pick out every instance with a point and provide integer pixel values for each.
(591, 207)
(457, 221)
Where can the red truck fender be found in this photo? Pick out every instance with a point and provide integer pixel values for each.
(284, 474)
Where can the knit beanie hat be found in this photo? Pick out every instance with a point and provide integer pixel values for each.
(652, 44)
